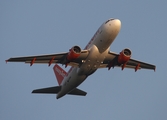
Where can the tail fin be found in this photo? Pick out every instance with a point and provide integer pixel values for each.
(60, 73)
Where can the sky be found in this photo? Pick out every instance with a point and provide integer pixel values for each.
(36, 27)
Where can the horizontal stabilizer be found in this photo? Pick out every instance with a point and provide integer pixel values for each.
(50, 90)
(77, 91)
(56, 89)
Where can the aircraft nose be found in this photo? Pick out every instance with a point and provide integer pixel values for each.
(113, 24)
(116, 23)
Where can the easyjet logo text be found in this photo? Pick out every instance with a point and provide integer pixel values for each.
(60, 72)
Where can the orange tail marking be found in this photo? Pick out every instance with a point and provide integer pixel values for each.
(59, 73)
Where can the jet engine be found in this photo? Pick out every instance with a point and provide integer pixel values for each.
(74, 53)
(124, 56)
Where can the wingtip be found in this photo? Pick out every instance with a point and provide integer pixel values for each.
(32, 91)
(35, 91)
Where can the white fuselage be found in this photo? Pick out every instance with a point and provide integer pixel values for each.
(98, 48)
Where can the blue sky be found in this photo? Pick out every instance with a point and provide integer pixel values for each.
(43, 27)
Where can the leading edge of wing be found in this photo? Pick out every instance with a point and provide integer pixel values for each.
(29, 58)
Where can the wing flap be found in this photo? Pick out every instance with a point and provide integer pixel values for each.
(42, 61)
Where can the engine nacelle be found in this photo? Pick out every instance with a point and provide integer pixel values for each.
(74, 53)
(124, 56)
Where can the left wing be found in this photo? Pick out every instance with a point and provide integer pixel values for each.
(51, 58)
(111, 58)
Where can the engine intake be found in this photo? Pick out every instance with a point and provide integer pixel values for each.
(124, 56)
(74, 53)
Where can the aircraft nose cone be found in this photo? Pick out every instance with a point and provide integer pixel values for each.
(113, 24)
(117, 23)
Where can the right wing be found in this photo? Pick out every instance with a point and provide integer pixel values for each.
(51, 58)
(132, 63)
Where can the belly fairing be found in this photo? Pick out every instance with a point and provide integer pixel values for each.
(92, 62)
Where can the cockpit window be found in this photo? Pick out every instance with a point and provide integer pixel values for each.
(109, 20)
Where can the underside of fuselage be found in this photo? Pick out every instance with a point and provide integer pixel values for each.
(98, 48)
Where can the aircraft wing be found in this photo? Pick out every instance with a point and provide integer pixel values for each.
(132, 63)
(51, 58)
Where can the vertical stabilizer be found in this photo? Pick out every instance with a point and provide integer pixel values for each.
(60, 73)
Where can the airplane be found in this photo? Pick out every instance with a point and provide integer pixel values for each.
(85, 62)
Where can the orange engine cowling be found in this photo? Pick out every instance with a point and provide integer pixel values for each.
(74, 53)
(124, 56)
